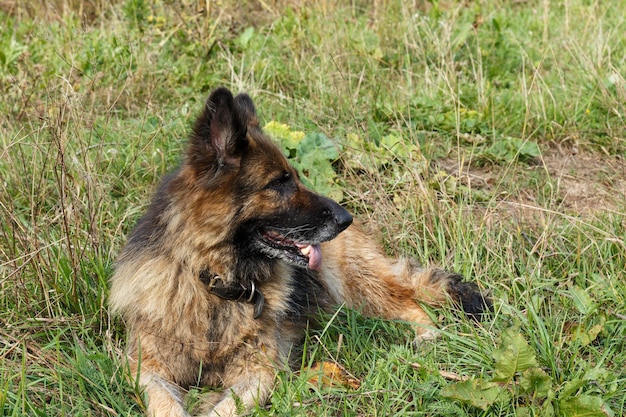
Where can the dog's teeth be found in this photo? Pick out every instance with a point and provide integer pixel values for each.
(305, 250)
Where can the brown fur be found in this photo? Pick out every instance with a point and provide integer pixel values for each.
(213, 216)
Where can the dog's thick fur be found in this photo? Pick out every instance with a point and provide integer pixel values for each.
(234, 255)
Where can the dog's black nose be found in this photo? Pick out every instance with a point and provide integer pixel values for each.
(337, 214)
(343, 218)
(340, 215)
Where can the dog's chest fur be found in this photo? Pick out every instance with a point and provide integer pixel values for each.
(214, 334)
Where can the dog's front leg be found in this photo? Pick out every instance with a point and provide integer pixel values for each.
(248, 391)
(164, 398)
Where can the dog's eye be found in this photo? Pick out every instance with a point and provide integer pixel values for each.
(280, 181)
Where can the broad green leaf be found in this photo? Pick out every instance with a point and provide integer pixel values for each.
(321, 144)
(529, 149)
(312, 155)
(395, 145)
(586, 335)
(318, 174)
(597, 374)
(536, 382)
(585, 406)
(547, 410)
(476, 392)
(583, 302)
(514, 355)
(508, 149)
(315, 154)
(571, 387)
(245, 37)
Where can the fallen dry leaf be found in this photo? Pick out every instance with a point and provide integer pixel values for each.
(332, 375)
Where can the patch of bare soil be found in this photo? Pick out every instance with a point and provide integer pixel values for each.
(588, 184)
(577, 183)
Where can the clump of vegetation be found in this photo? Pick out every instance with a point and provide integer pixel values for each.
(485, 137)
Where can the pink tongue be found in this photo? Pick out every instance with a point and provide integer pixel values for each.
(314, 252)
(315, 257)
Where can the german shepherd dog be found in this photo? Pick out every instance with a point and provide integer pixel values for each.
(220, 276)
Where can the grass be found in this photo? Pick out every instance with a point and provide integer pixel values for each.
(485, 137)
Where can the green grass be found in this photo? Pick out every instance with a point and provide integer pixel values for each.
(488, 138)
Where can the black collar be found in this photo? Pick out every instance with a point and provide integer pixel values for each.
(234, 293)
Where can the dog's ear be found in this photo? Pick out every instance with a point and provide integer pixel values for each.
(247, 110)
(219, 135)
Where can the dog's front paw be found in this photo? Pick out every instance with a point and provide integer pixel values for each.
(423, 335)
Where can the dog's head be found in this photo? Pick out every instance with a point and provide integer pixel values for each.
(273, 215)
